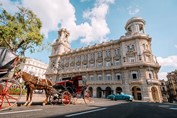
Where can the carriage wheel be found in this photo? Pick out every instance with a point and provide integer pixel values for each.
(10, 93)
(66, 98)
(54, 99)
(87, 97)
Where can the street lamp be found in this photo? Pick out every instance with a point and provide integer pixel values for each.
(58, 67)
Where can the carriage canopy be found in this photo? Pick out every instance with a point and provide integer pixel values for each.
(6, 57)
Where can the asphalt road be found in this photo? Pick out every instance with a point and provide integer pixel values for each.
(101, 108)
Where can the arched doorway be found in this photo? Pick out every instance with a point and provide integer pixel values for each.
(99, 92)
(155, 95)
(91, 91)
(136, 92)
(118, 90)
(108, 91)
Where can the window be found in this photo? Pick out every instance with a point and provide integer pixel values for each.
(134, 75)
(84, 66)
(131, 59)
(117, 52)
(99, 77)
(91, 78)
(85, 57)
(150, 75)
(92, 55)
(99, 64)
(108, 77)
(117, 62)
(108, 64)
(100, 54)
(91, 65)
(118, 77)
(108, 53)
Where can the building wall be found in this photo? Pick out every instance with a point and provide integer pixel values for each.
(126, 63)
(172, 85)
(164, 90)
(35, 67)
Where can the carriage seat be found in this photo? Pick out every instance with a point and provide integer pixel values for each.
(3, 72)
(59, 87)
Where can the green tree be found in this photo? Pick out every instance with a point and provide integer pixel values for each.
(21, 31)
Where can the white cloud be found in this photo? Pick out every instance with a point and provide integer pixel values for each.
(62, 12)
(98, 28)
(169, 61)
(133, 10)
(162, 75)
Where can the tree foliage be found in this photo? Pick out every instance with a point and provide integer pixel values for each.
(21, 31)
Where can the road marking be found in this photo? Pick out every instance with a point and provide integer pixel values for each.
(85, 112)
(21, 111)
(173, 108)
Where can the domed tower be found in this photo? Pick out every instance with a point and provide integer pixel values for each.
(59, 47)
(135, 25)
(137, 58)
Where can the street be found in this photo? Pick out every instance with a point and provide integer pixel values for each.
(102, 108)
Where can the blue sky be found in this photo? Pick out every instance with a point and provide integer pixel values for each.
(104, 20)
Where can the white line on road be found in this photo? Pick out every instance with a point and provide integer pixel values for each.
(21, 111)
(174, 108)
(84, 112)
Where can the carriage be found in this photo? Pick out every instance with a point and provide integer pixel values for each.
(10, 89)
(70, 90)
(65, 92)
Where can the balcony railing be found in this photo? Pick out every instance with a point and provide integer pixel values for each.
(152, 81)
(102, 82)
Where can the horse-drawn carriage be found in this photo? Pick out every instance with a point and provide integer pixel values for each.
(10, 89)
(69, 90)
(65, 92)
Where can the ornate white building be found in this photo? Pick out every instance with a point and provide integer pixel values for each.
(35, 67)
(124, 65)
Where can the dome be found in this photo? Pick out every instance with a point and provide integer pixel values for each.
(134, 19)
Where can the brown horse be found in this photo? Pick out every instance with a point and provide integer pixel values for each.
(32, 83)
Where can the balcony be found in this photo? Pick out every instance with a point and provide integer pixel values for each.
(152, 81)
(137, 81)
(105, 82)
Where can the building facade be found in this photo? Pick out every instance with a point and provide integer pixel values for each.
(164, 90)
(124, 65)
(35, 67)
(172, 85)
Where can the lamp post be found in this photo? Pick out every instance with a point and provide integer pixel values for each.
(58, 67)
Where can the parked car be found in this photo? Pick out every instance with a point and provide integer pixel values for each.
(121, 96)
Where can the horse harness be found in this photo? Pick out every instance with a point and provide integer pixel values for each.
(38, 82)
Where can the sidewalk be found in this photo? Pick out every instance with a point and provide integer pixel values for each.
(36, 98)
